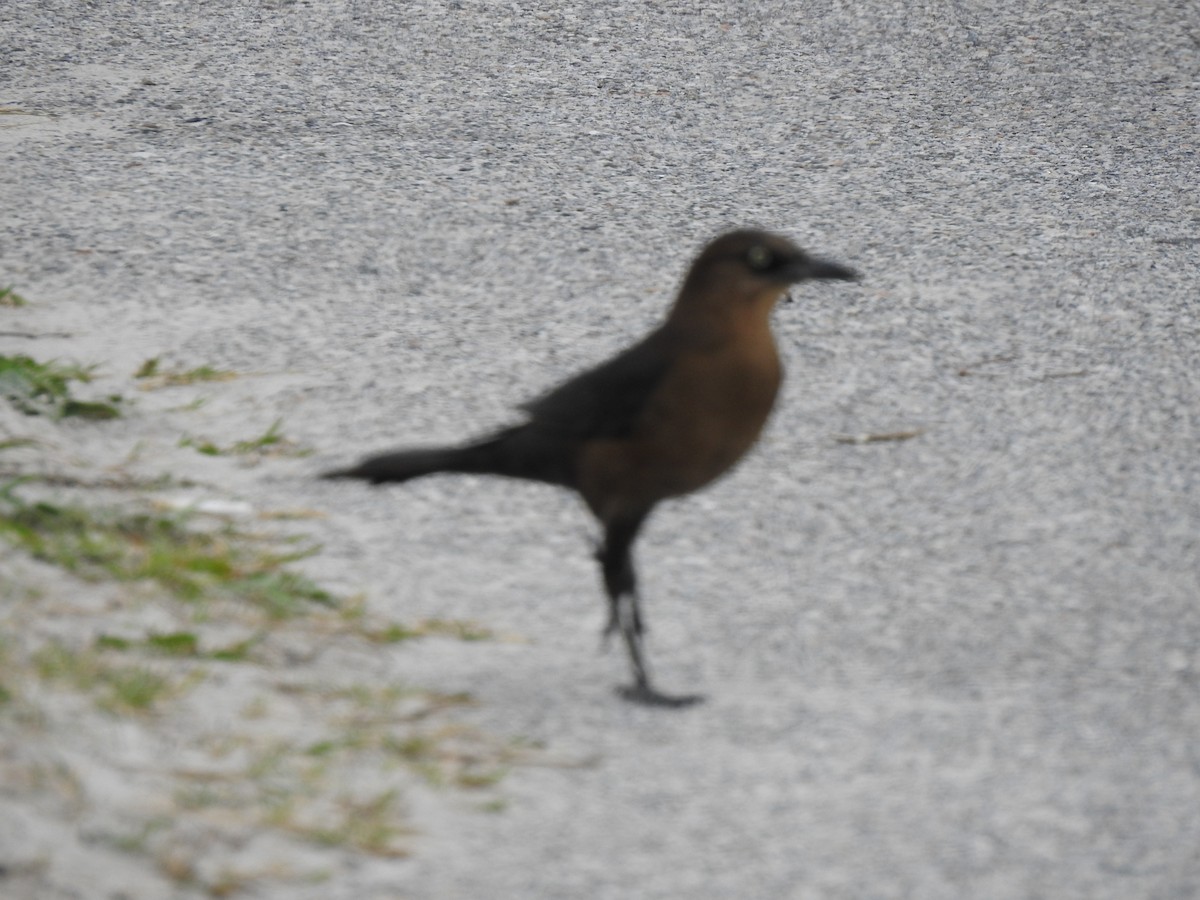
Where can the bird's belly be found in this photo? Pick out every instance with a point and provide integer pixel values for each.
(697, 451)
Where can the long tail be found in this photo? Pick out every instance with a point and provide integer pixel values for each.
(516, 452)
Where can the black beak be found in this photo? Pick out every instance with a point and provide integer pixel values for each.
(823, 268)
(808, 267)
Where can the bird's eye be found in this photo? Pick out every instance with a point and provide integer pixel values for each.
(759, 257)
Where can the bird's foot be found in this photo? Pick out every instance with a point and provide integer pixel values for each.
(644, 695)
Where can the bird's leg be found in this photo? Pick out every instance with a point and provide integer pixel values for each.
(625, 615)
(612, 625)
(629, 623)
(620, 581)
(624, 610)
(627, 602)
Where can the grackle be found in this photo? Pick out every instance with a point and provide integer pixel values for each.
(664, 418)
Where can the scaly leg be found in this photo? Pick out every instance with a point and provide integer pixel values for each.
(624, 611)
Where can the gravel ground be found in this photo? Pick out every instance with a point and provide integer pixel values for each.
(959, 665)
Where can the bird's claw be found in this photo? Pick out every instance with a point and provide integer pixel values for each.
(644, 695)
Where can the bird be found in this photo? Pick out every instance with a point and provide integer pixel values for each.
(664, 418)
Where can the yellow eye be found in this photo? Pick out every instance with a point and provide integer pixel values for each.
(759, 257)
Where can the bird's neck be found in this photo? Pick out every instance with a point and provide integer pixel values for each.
(714, 314)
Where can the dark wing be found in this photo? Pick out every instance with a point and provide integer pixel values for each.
(604, 402)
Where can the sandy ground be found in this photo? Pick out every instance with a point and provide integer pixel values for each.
(960, 665)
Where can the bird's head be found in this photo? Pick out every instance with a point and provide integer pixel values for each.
(763, 256)
(754, 266)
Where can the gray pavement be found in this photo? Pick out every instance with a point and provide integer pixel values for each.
(960, 665)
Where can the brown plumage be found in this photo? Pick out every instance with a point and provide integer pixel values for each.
(664, 418)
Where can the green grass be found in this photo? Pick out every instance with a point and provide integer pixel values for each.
(368, 825)
(179, 644)
(175, 643)
(193, 564)
(373, 736)
(119, 688)
(271, 442)
(137, 841)
(6, 693)
(9, 297)
(211, 572)
(11, 443)
(450, 756)
(237, 652)
(44, 389)
(447, 755)
(396, 632)
(154, 376)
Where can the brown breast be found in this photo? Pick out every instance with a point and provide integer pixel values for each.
(708, 411)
